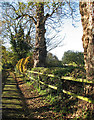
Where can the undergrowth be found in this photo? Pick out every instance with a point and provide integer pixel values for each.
(65, 105)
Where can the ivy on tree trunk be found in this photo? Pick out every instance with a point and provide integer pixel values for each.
(40, 51)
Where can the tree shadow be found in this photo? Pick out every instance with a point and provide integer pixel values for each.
(39, 96)
(13, 102)
(4, 76)
(17, 106)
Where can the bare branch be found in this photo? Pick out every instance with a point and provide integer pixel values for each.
(33, 19)
(70, 7)
(49, 15)
(55, 44)
(14, 9)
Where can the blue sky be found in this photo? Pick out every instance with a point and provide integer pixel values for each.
(73, 38)
(72, 41)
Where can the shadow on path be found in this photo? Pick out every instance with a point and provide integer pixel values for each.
(13, 102)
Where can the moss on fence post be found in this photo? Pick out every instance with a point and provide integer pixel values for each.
(38, 83)
(60, 88)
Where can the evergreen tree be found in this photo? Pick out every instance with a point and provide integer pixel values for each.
(20, 46)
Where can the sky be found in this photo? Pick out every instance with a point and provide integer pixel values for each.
(72, 41)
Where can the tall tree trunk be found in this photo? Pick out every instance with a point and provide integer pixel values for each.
(87, 18)
(40, 45)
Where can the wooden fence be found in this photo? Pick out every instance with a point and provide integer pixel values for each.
(29, 74)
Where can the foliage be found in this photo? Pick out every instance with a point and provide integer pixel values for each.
(4, 56)
(8, 58)
(78, 73)
(39, 13)
(28, 63)
(67, 105)
(55, 70)
(24, 64)
(72, 71)
(71, 57)
(52, 60)
(63, 71)
(12, 59)
(20, 47)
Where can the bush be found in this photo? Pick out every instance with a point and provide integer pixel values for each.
(63, 71)
(74, 58)
(78, 73)
(52, 61)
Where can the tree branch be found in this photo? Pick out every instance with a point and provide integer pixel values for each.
(49, 15)
(70, 7)
(33, 19)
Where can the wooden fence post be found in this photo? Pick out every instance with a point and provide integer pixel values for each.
(60, 88)
(38, 83)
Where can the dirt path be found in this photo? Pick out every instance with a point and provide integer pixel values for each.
(22, 101)
(13, 105)
(35, 103)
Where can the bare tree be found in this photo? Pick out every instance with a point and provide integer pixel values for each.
(41, 13)
(11, 26)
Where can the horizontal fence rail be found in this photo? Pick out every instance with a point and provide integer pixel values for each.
(64, 91)
(65, 78)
